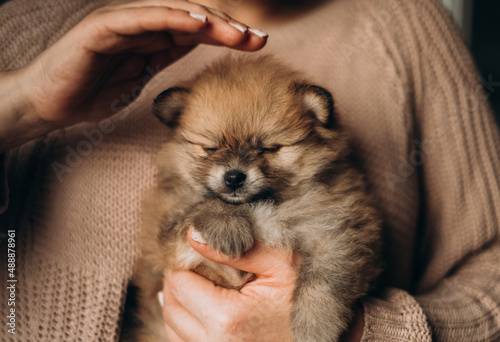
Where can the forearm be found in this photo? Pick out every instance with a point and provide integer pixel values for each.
(463, 307)
(19, 122)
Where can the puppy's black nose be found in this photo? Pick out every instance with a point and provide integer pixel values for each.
(234, 179)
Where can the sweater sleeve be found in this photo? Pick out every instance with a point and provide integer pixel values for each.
(456, 289)
(462, 307)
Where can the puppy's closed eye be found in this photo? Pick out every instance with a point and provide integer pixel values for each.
(271, 149)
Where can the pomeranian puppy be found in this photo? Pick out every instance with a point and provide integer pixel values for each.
(255, 153)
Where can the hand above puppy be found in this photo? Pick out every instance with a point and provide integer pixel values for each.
(105, 56)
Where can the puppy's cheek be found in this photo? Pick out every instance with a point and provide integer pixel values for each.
(215, 178)
(255, 181)
(286, 158)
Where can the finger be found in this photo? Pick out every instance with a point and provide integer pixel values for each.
(181, 321)
(153, 42)
(262, 260)
(182, 4)
(250, 42)
(138, 20)
(210, 13)
(200, 296)
(188, 6)
(235, 23)
(110, 31)
(255, 34)
(221, 14)
(114, 25)
(213, 15)
(133, 21)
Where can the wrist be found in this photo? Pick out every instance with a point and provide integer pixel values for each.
(19, 122)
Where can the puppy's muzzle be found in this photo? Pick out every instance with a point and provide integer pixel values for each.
(234, 179)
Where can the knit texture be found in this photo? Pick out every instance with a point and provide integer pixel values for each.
(404, 86)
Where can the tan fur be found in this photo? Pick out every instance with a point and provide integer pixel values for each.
(300, 190)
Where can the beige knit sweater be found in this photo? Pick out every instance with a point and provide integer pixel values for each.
(405, 87)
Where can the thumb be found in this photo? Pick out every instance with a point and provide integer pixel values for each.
(262, 260)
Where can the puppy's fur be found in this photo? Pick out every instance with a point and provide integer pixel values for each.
(255, 153)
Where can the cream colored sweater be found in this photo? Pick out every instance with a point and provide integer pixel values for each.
(405, 87)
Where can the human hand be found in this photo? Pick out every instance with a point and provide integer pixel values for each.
(105, 55)
(197, 310)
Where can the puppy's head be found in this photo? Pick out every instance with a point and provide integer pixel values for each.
(249, 129)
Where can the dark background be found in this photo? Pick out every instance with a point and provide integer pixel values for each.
(485, 46)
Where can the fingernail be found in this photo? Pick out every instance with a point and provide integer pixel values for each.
(239, 27)
(200, 17)
(160, 298)
(196, 236)
(258, 33)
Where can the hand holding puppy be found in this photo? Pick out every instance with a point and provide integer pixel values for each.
(197, 310)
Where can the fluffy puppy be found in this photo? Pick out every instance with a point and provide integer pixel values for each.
(255, 153)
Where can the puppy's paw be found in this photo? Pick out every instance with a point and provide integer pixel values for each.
(224, 227)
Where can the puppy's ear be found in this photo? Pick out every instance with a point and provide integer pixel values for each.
(318, 102)
(169, 104)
